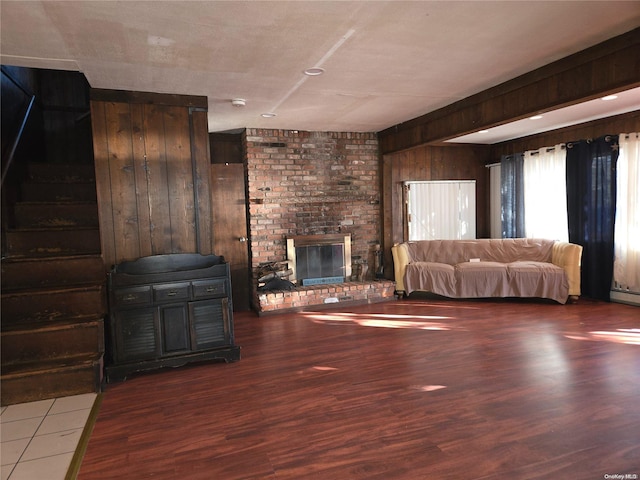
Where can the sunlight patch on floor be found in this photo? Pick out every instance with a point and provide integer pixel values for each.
(427, 388)
(381, 320)
(629, 336)
(317, 368)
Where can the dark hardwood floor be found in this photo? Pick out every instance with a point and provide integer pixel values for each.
(411, 389)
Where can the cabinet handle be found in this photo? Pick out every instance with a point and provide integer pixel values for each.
(210, 289)
(129, 297)
(172, 294)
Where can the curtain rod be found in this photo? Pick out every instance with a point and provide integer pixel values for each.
(562, 146)
(549, 149)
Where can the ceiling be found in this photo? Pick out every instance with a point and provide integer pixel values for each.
(384, 62)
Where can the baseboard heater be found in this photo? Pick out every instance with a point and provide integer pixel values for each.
(626, 296)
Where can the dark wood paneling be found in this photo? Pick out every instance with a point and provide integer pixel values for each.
(152, 177)
(228, 198)
(465, 162)
(64, 97)
(201, 158)
(226, 148)
(126, 96)
(103, 183)
(180, 180)
(607, 67)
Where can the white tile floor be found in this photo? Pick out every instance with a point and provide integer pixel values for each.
(39, 438)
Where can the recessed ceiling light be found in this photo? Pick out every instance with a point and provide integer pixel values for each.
(238, 102)
(268, 115)
(314, 71)
(535, 117)
(610, 97)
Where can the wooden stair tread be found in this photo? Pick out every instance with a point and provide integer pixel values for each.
(55, 323)
(38, 367)
(55, 290)
(75, 287)
(56, 228)
(53, 258)
(54, 287)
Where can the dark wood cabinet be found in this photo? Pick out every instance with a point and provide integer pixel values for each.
(169, 310)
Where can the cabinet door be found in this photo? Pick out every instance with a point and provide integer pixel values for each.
(210, 323)
(136, 337)
(175, 329)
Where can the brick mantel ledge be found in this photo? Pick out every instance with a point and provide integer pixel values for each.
(301, 298)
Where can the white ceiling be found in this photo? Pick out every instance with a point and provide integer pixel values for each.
(385, 61)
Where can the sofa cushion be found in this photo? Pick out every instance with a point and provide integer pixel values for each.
(538, 279)
(438, 278)
(481, 279)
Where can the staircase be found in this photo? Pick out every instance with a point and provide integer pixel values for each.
(53, 287)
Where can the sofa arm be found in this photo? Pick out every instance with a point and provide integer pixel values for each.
(569, 256)
(400, 261)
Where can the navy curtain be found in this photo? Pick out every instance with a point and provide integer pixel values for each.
(591, 208)
(512, 195)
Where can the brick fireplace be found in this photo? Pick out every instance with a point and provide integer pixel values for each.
(314, 183)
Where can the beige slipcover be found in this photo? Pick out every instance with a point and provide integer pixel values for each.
(513, 267)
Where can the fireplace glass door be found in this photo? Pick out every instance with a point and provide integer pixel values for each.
(320, 259)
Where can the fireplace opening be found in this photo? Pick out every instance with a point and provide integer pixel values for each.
(319, 259)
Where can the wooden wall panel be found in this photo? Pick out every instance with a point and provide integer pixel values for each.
(154, 173)
(152, 164)
(202, 155)
(103, 182)
(139, 153)
(181, 214)
(122, 179)
(464, 162)
(226, 148)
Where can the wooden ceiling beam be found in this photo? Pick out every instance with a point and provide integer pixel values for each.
(605, 68)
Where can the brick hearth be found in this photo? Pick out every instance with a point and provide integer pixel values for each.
(303, 298)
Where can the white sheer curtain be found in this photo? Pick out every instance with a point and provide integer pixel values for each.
(441, 210)
(626, 266)
(545, 194)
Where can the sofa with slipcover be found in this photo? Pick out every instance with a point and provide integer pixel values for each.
(482, 268)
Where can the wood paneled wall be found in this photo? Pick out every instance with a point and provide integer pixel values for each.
(456, 162)
(226, 148)
(152, 174)
(64, 97)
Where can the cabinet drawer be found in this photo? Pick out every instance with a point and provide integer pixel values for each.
(171, 292)
(209, 288)
(132, 296)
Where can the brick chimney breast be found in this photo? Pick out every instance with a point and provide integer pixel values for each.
(309, 183)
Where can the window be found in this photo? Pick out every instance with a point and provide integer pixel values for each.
(545, 194)
(440, 210)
